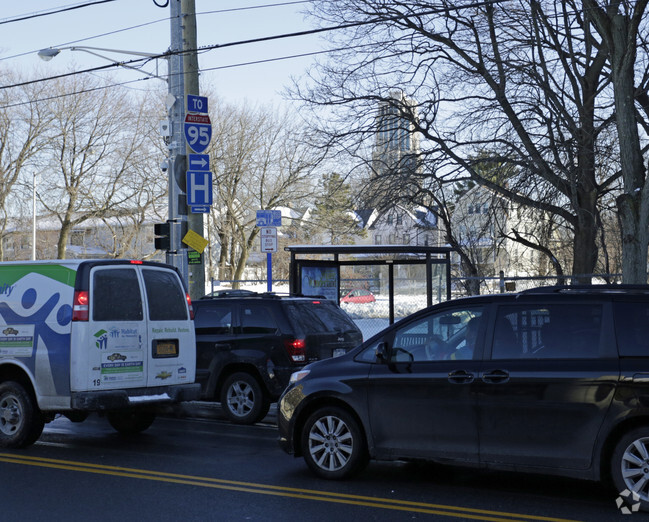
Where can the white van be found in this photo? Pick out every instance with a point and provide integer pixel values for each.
(112, 336)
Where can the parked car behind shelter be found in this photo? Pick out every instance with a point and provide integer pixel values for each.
(248, 345)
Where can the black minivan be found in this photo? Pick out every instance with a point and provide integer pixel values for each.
(551, 380)
(249, 344)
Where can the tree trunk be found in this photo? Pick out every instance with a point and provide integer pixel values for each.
(632, 204)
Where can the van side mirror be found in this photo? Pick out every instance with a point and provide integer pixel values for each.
(381, 351)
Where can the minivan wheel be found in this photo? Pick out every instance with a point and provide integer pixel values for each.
(243, 400)
(630, 468)
(332, 444)
(131, 422)
(21, 422)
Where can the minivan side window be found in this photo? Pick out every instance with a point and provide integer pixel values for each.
(447, 335)
(632, 328)
(552, 331)
(165, 296)
(116, 295)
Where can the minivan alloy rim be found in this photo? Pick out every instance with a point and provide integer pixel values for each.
(10, 415)
(330, 443)
(635, 467)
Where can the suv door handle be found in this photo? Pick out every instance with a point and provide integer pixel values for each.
(496, 377)
(461, 377)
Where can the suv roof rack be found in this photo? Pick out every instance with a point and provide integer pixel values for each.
(220, 294)
(589, 289)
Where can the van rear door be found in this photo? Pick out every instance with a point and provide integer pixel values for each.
(118, 327)
(171, 341)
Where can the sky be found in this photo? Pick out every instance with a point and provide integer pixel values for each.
(141, 26)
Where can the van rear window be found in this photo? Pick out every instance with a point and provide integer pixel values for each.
(165, 296)
(116, 295)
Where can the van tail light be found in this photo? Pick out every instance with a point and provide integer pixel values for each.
(80, 305)
(296, 349)
(189, 304)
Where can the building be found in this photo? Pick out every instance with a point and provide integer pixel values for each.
(396, 146)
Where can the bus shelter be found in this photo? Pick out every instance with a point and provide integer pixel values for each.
(331, 270)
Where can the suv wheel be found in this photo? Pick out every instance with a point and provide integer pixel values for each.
(332, 444)
(630, 467)
(21, 423)
(243, 400)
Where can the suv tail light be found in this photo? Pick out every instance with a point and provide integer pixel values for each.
(80, 305)
(189, 304)
(296, 349)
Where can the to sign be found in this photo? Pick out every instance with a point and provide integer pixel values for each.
(268, 239)
(197, 104)
(198, 131)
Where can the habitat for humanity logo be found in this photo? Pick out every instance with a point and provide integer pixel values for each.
(628, 502)
(102, 339)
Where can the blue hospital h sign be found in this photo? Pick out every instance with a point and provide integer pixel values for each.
(199, 188)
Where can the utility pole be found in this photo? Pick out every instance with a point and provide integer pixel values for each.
(190, 68)
(177, 165)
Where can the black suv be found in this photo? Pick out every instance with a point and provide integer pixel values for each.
(248, 345)
(552, 380)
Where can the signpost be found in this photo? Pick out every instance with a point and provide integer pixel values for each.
(268, 220)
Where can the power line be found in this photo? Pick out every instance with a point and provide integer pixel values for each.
(109, 33)
(230, 44)
(47, 13)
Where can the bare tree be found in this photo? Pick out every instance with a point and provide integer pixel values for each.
(521, 79)
(22, 122)
(624, 31)
(259, 162)
(91, 148)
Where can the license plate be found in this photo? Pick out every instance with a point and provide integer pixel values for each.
(339, 351)
(166, 348)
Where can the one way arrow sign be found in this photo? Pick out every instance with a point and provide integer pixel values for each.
(200, 162)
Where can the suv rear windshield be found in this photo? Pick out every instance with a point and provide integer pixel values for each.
(318, 316)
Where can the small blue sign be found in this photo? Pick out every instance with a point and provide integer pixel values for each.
(269, 218)
(198, 162)
(199, 188)
(197, 104)
(199, 209)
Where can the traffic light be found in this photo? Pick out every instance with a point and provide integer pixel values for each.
(162, 233)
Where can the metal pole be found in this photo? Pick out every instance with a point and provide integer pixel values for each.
(190, 70)
(177, 256)
(34, 217)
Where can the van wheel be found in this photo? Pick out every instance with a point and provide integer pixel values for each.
(131, 422)
(332, 444)
(243, 400)
(630, 469)
(21, 422)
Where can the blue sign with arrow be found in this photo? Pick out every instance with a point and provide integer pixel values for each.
(199, 162)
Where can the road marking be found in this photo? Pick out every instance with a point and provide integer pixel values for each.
(267, 489)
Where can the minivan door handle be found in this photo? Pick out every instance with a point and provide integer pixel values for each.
(496, 376)
(461, 377)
